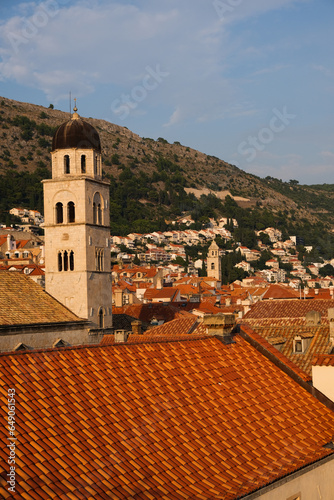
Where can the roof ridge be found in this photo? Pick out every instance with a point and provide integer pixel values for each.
(149, 339)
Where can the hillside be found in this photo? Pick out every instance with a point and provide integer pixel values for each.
(152, 179)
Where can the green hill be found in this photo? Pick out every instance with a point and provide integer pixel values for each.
(153, 181)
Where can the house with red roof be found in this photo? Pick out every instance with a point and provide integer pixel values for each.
(299, 329)
(193, 416)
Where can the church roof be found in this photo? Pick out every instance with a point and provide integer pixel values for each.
(22, 302)
(184, 419)
(76, 133)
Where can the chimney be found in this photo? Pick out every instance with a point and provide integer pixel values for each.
(228, 301)
(313, 318)
(221, 325)
(118, 294)
(120, 336)
(136, 327)
(11, 243)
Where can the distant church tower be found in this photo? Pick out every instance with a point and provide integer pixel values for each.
(214, 269)
(77, 224)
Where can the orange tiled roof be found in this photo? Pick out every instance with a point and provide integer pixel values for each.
(280, 292)
(323, 360)
(187, 289)
(21, 243)
(285, 320)
(190, 419)
(37, 271)
(280, 311)
(145, 312)
(163, 293)
(179, 326)
(148, 338)
(279, 355)
(22, 301)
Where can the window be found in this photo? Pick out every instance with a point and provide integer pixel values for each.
(94, 213)
(60, 262)
(83, 164)
(101, 318)
(212, 265)
(59, 213)
(99, 254)
(65, 261)
(298, 345)
(71, 211)
(99, 214)
(72, 261)
(125, 299)
(66, 164)
(95, 164)
(97, 209)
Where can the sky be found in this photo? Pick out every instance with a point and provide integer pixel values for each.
(248, 81)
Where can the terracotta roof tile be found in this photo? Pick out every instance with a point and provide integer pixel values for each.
(279, 322)
(22, 301)
(278, 312)
(189, 418)
(323, 360)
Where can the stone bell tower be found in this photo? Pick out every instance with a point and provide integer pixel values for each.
(214, 262)
(77, 224)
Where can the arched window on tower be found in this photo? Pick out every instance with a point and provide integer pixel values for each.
(59, 213)
(83, 164)
(99, 214)
(101, 318)
(94, 213)
(66, 164)
(70, 211)
(60, 262)
(71, 260)
(212, 265)
(98, 209)
(99, 259)
(65, 261)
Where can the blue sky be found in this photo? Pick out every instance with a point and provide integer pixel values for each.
(249, 81)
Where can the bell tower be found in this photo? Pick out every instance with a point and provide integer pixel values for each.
(77, 224)
(214, 262)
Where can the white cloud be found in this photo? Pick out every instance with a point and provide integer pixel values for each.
(57, 45)
(231, 11)
(322, 69)
(271, 69)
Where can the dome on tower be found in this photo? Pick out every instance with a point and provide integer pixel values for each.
(76, 133)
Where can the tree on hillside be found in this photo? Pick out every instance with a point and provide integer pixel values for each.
(326, 270)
